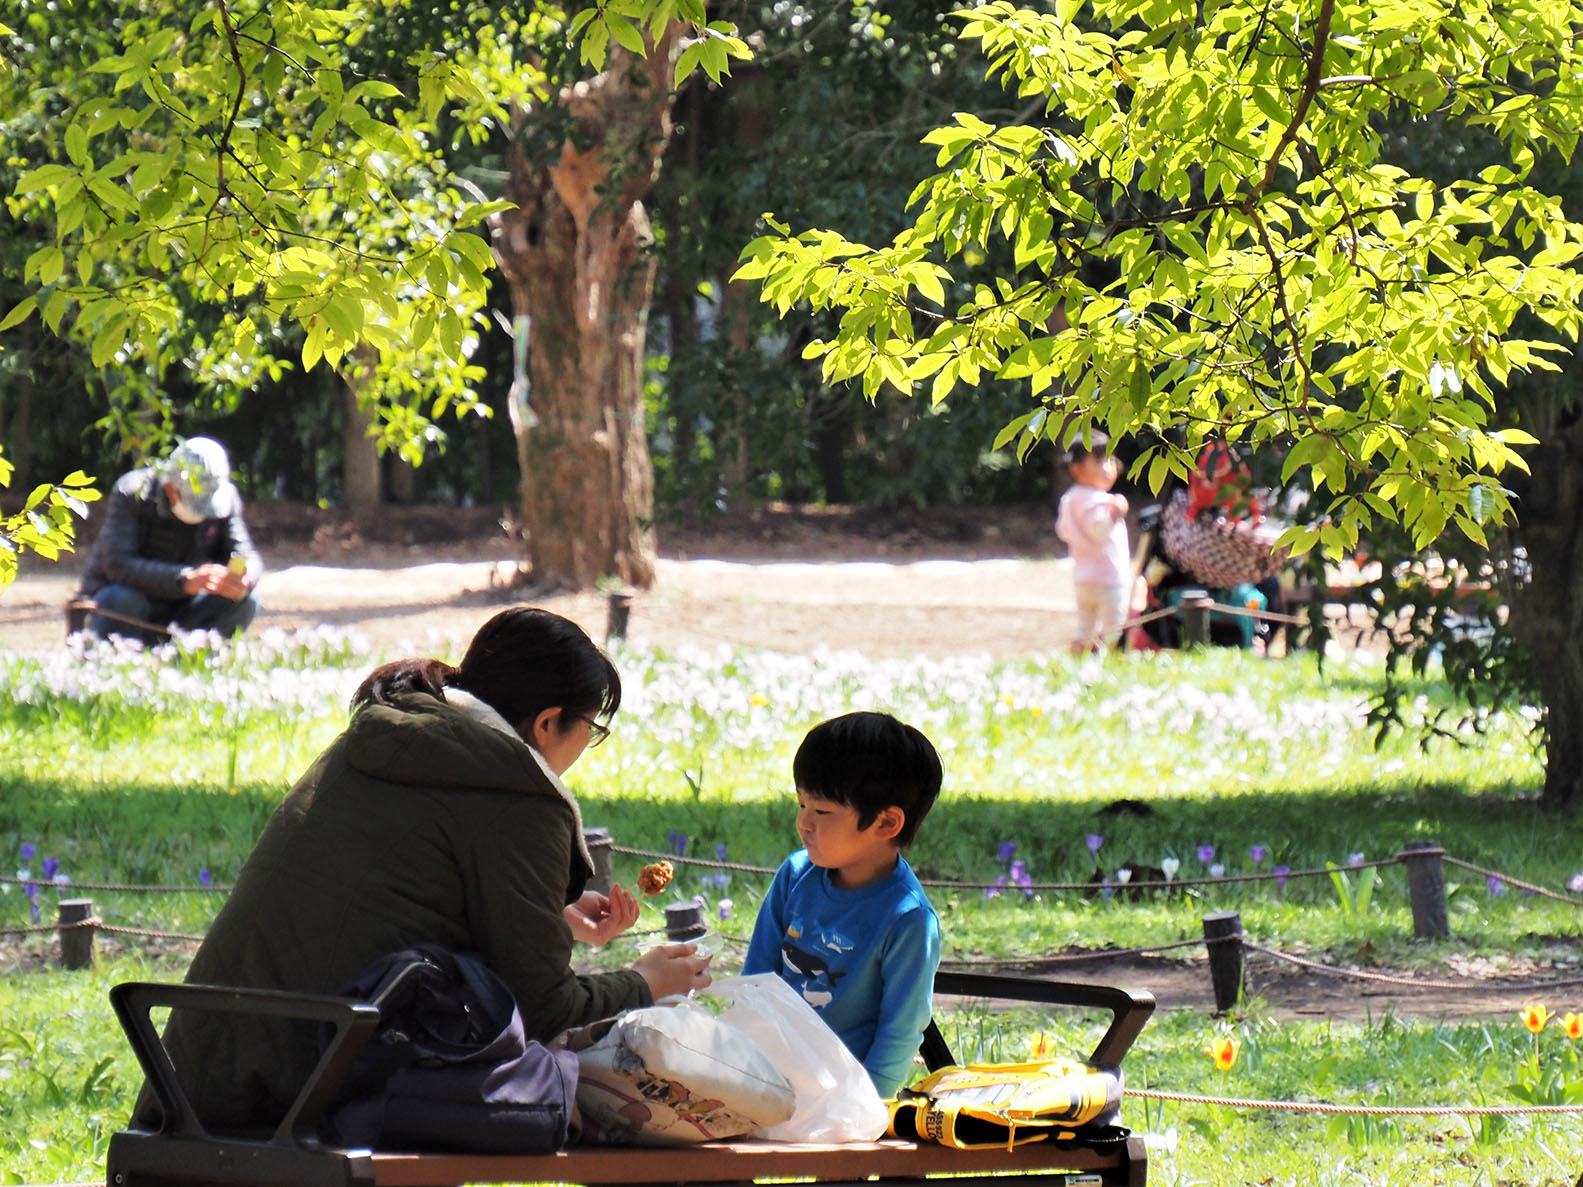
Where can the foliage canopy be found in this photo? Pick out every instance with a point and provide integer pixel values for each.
(1202, 238)
(282, 165)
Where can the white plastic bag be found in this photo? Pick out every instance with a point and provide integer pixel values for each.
(672, 1075)
(836, 1101)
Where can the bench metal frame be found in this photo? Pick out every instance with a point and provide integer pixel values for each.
(183, 1153)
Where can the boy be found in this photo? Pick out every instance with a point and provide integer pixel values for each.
(1093, 522)
(845, 922)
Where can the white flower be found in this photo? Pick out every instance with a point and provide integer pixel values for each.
(1217, 870)
(1169, 866)
(1124, 875)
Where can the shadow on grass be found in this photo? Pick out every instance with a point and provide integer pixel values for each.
(149, 833)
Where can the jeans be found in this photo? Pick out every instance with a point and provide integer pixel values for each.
(201, 612)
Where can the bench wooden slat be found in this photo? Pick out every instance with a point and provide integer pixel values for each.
(729, 1162)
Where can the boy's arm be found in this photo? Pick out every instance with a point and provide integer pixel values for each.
(764, 950)
(907, 969)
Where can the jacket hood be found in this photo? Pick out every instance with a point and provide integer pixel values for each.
(460, 742)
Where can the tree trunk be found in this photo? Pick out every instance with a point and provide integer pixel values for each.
(1547, 613)
(360, 468)
(575, 255)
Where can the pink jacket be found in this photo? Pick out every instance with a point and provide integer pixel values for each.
(1097, 542)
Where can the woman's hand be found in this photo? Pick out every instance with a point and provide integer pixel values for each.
(596, 919)
(673, 969)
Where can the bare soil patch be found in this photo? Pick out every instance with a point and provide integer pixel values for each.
(785, 578)
(1291, 992)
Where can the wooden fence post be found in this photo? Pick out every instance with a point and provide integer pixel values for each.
(599, 842)
(684, 921)
(1426, 887)
(77, 947)
(1223, 939)
(1195, 606)
(618, 607)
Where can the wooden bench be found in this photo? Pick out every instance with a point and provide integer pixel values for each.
(183, 1153)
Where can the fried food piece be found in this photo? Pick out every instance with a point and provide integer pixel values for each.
(654, 878)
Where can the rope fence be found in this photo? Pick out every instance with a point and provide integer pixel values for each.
(1318, 1106)
(1224, 944)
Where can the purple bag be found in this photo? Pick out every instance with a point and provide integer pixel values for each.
(449, 1067)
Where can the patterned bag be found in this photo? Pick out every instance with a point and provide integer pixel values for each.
(1002, 1105)
(1219, 552)
(671, 1076)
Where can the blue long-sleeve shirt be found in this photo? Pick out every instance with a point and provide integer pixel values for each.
(864, 959)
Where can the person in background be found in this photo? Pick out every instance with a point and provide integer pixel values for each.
(1093, 523)
(845, 922)
(174, 551)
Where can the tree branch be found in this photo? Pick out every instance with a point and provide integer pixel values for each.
(1311, 81)
(1286, 317)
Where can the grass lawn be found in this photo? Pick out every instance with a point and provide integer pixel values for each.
(124, 769)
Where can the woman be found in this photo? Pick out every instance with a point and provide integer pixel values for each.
(438, 816)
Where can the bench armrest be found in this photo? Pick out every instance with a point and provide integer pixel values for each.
(354, 1022)
(1129, 1008)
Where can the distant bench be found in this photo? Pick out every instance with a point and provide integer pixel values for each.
(183, 1153)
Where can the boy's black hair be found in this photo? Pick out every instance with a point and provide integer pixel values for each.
(1098, 446)
(870, 762)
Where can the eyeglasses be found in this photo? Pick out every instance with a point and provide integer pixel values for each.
(597, 731)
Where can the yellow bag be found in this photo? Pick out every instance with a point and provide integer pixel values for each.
(987, 1105)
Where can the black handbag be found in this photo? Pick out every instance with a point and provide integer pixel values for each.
(449, 1067)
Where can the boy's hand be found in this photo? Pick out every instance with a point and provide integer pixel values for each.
(596, 919)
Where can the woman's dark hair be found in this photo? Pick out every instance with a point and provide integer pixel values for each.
(520, 663)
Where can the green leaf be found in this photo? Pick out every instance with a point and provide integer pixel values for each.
(76, 144)
(42, 178)
(624, 33)
(20, 312)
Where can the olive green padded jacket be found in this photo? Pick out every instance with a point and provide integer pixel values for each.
(424, 822)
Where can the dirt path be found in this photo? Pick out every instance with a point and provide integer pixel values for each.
(1003, 593)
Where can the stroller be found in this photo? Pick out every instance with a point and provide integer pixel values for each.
(1210, 536)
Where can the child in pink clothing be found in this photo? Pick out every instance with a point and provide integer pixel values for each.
(1093, 522)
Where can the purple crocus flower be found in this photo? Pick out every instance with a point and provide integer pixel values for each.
(1280, 873)
(1094, 841)
(1019, 872)
(678, 842)
(1497, 887)
(1354, 859)
(720, 852)
(32, 898)
(204, 879)
(725, 909)
(1575, 883)
(51, 868)
(28, 850)
(1257, 852)
(994, 891)
(1007, 849)
(1206, 854)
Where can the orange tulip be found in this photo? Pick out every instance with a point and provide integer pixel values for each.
(1224, 1052)
(1534, 1017)
(1572, 1025)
